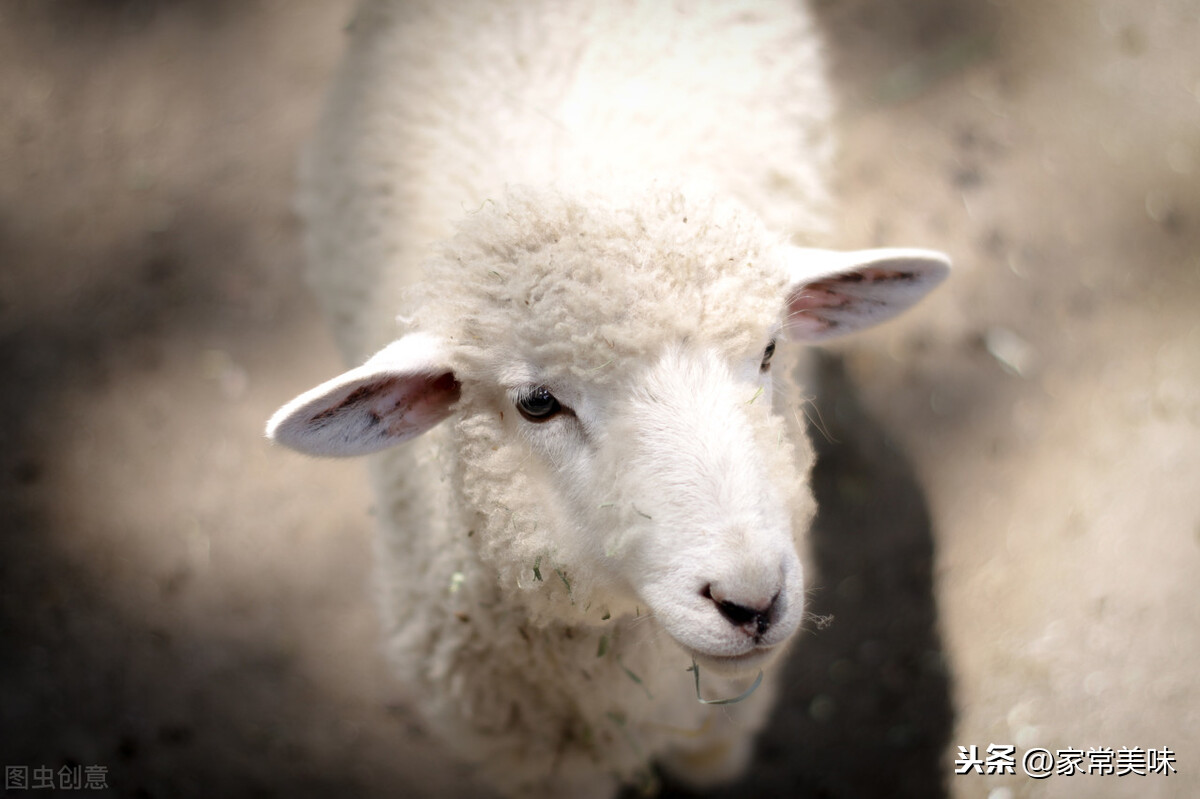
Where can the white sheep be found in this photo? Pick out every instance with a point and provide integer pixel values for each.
(607, 500)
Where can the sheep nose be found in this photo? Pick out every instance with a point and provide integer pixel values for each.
(754, 618)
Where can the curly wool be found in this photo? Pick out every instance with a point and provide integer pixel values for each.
(515, 282)
(440, 108)
(580, 285)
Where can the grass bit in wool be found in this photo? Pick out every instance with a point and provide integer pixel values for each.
(739, 698)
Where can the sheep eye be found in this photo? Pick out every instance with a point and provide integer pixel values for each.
(766, 359)
(538, 405)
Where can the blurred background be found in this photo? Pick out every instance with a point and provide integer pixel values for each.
(1010, 540)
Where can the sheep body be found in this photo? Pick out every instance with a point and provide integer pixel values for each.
(537, 667)
(625, 175)
(440, 107)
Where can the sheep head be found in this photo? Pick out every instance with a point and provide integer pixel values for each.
(614, 415)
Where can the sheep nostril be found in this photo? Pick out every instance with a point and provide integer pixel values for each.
(737, 614)
(758, 619)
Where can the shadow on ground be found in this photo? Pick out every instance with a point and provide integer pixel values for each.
(864, 711)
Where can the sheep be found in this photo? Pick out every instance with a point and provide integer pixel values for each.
(596, 220)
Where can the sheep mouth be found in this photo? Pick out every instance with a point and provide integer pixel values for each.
(735, 665)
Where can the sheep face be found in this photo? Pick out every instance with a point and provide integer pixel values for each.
(618, 442)
(679, 493)
(672, 486)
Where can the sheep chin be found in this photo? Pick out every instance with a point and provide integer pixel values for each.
(734, 666)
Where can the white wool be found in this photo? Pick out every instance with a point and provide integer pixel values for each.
(440, 107)
(581, 213)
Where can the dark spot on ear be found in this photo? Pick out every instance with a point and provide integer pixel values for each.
(321, 418)
(357, 395)
(894, 275)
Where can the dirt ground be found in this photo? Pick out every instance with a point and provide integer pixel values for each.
(1010, 536)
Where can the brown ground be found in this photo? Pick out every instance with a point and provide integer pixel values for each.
(1011, 538)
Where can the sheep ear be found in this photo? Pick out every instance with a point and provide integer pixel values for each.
(832, 293)
(402, 391)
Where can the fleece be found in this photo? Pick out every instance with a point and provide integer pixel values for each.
(524, 653)
(576, 221)
(439, 108)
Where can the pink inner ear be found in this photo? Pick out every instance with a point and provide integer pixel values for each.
(398, 407)
(813, 309)
(423, 402)
(852, 300)
(805, 306)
